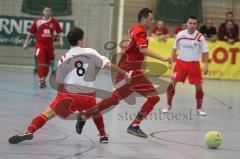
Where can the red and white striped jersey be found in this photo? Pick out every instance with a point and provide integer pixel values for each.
(190, 46)
(79, 67)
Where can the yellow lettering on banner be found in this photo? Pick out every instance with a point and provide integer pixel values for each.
(224, 59)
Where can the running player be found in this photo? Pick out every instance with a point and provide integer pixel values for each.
(132, 60)
(192, 46)
(43, 29)
(78, 67)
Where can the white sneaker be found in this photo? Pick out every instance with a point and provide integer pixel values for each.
(167, 109)
(201, 112)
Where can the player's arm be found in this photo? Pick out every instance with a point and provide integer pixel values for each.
(174, 55)
(104, 63)
(25, 45)
(205, 55)
(149, 53)
(205, 60)
(141, 42)
(60, 32)
(60, 35)
(31, 32)
(111, 67)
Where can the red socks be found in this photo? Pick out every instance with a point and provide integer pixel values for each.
(43, 71)
(37, 123)
(100, 124)
(146, 109)
(170, 93)
(199, 98)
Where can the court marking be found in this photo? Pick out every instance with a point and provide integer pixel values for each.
(188, 144)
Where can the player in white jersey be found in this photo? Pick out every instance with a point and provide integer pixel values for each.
(192, 47)
(76, 73)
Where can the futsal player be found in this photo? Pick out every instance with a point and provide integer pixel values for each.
(43, 29)
(79, 68)
(192, 46)
(132, 60)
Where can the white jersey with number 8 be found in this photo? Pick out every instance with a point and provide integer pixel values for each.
(79, 67)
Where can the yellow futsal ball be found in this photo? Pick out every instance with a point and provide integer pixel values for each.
(213, 139)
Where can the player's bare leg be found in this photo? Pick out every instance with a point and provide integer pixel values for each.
(199, 99)
(36, 124)
(170, 95)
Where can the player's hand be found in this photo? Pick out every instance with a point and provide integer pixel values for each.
(128, 76)
(61, 43)
(205, 70)
(25, 45)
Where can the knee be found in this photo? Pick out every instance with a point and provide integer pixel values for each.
(49, 113)
(154, 99)
(116, 99)
(198, 87)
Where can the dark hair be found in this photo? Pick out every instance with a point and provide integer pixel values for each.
(144, 13)
(192, 17)
(74, 35)
(47, 7)
(229, 13)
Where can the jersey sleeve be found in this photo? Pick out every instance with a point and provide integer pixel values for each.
(57, 27)
(141, 39)
(176, 44)
(33, 28)
(99, 60)
(205, 48)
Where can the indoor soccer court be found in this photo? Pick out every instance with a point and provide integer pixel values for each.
(181, 137)
(50, 45)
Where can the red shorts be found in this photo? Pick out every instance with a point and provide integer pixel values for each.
(64, 104)
(44, 55)
(183, 69)
(139, 83)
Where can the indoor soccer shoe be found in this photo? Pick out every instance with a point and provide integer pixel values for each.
(20, 137)
(79, 126)
(201, 112)
(135, 130)
(167, 109)
(103, 139)
(42, 85)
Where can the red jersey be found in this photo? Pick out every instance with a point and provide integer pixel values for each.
(163, 31)
(44, 31)
(132, 58)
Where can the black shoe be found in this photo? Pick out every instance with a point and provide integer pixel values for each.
(20, 137)
(135, 130)
(42, 84)
(103, 139)
(79, 126)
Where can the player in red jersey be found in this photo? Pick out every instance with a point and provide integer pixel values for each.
(192, 47)
(79, 68)
(132, 60)
(43, 29)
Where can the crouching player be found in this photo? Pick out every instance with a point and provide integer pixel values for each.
(78, 67)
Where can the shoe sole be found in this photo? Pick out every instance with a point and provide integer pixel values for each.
(133, 133)
(17, 139)
(105, 141)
